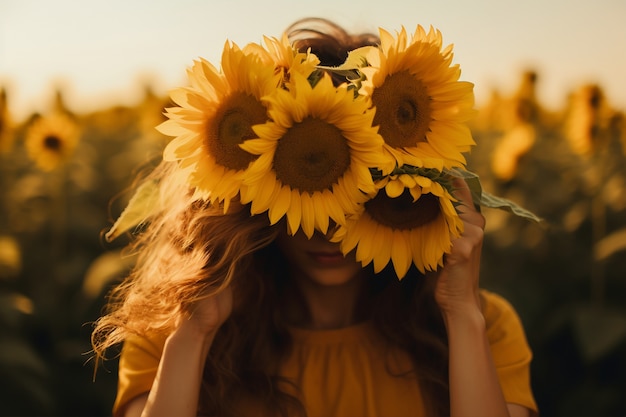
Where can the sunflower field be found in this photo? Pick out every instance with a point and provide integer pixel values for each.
(65, 176)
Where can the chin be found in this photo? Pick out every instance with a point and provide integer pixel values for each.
(335, 277)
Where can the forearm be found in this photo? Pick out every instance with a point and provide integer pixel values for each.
(176, 387)
(474, 385)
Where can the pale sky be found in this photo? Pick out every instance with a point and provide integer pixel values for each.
(99, 52)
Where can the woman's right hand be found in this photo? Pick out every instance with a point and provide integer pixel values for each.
(176, 387)
(208, 314)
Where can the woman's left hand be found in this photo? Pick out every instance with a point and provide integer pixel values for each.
(457, 287)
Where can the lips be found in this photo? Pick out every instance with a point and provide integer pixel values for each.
(327, 258)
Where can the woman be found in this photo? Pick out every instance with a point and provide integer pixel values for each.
(233, 312)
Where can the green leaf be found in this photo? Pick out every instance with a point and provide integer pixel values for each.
(349, 74)
(598, 330)
(473, 182)
(140, 208)
(610, 244)
(486, 199)
(492, 201)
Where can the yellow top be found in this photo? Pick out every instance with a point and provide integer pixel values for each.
(343, 372)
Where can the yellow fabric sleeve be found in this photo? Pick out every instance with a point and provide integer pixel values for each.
(510, 350)
(138, 366)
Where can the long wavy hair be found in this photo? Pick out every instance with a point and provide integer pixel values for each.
(191, 250)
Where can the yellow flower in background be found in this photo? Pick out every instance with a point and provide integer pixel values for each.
(10, 257)
(314, 156)
(215, 114)
(285, 58)
(421, 106)
(6, 134)
(510, 149)
(410, 220)
(588, 120)
(51, 140)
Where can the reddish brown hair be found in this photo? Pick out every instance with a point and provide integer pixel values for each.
(191, 250)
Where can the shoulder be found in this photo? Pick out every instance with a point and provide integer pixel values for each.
(138, 366)
(144, 348)
(510, 350)
(497, 309)
(505, 330)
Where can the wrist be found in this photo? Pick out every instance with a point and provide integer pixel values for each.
(189, 334)
(468, 305)
(469, 316)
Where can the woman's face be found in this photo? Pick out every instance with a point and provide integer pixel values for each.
(317, 259)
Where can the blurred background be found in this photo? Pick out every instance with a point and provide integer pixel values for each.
(83, 83)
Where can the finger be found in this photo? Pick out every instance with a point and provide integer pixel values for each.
(467, 210)
(462, 192)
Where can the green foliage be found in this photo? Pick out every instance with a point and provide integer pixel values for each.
(56, 267)
(566, 275)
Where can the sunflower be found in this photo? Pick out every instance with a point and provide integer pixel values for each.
(285, 58)
(411, 219)
(6, 134)
(214, 115)
(422, 108)
(315, 156)
(51, 140)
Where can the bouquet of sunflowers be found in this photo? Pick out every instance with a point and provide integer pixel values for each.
(374, 156)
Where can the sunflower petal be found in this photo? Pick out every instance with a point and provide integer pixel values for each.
(401, 254)
(308, 214)
(294, 214)
(394, 189)
(281, 205)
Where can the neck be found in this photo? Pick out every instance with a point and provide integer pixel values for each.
(328, 306)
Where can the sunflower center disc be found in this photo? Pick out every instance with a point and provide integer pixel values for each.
(52, 143)
(401, 212)
(311, 156)
(402, 110)
(234, 121)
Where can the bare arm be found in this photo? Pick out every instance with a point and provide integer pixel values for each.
(176, 387)
(474, 385)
